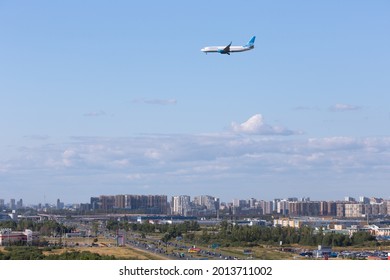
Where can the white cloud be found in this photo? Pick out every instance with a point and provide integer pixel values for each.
(334, 143)
(339, 107)
(306, 108)
(4, 167)
(37, 137)
(152, 154)
(256, 125)
(121, 163)
(136, 176)
(156, 101)
(161, 101)
(68, 156)
(95, 114)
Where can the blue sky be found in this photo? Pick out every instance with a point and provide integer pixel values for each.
(100, 97)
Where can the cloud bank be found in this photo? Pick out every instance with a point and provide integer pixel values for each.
(234, 165)
(251, 160)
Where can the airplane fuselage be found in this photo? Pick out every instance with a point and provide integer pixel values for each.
(220, 49)
(229, 48)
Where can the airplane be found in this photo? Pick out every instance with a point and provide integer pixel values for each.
(229, 48)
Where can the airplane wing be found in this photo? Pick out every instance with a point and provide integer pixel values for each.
(227, 49)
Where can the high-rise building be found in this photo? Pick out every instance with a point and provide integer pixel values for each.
(158, 204)
(181, 205)
(349, 199)
(323, 208)
(239, 203)
(275, 204)
(267, 207)
(332, 208)
(340, 209)
(304, 208)
(85, 207)
(12, 204)
(94, 203)
(387, 206)
(375, 209)
(282, 207)
(120, 201)
(354, 210)
(374, 200)
(206, 201)
(252, 202)
(60, 205)
(217, 203)
(107, 202)
(19, 204)
(151, 204)
(236, 202)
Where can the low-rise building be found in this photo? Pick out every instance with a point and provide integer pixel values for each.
(9, 237)
(379, 231)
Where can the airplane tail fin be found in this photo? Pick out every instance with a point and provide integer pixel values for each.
(251, 42)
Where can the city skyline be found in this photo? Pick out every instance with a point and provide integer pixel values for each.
(210, 206)
(21, 201)
(101, 97)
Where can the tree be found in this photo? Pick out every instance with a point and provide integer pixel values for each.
(95, 228)
(360, 237)
(166, 238)
(8, 224)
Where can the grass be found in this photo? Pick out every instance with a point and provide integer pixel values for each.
(106, 246)
(122, 253)
(260, 252)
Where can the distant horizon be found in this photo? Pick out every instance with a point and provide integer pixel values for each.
(7, 201)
